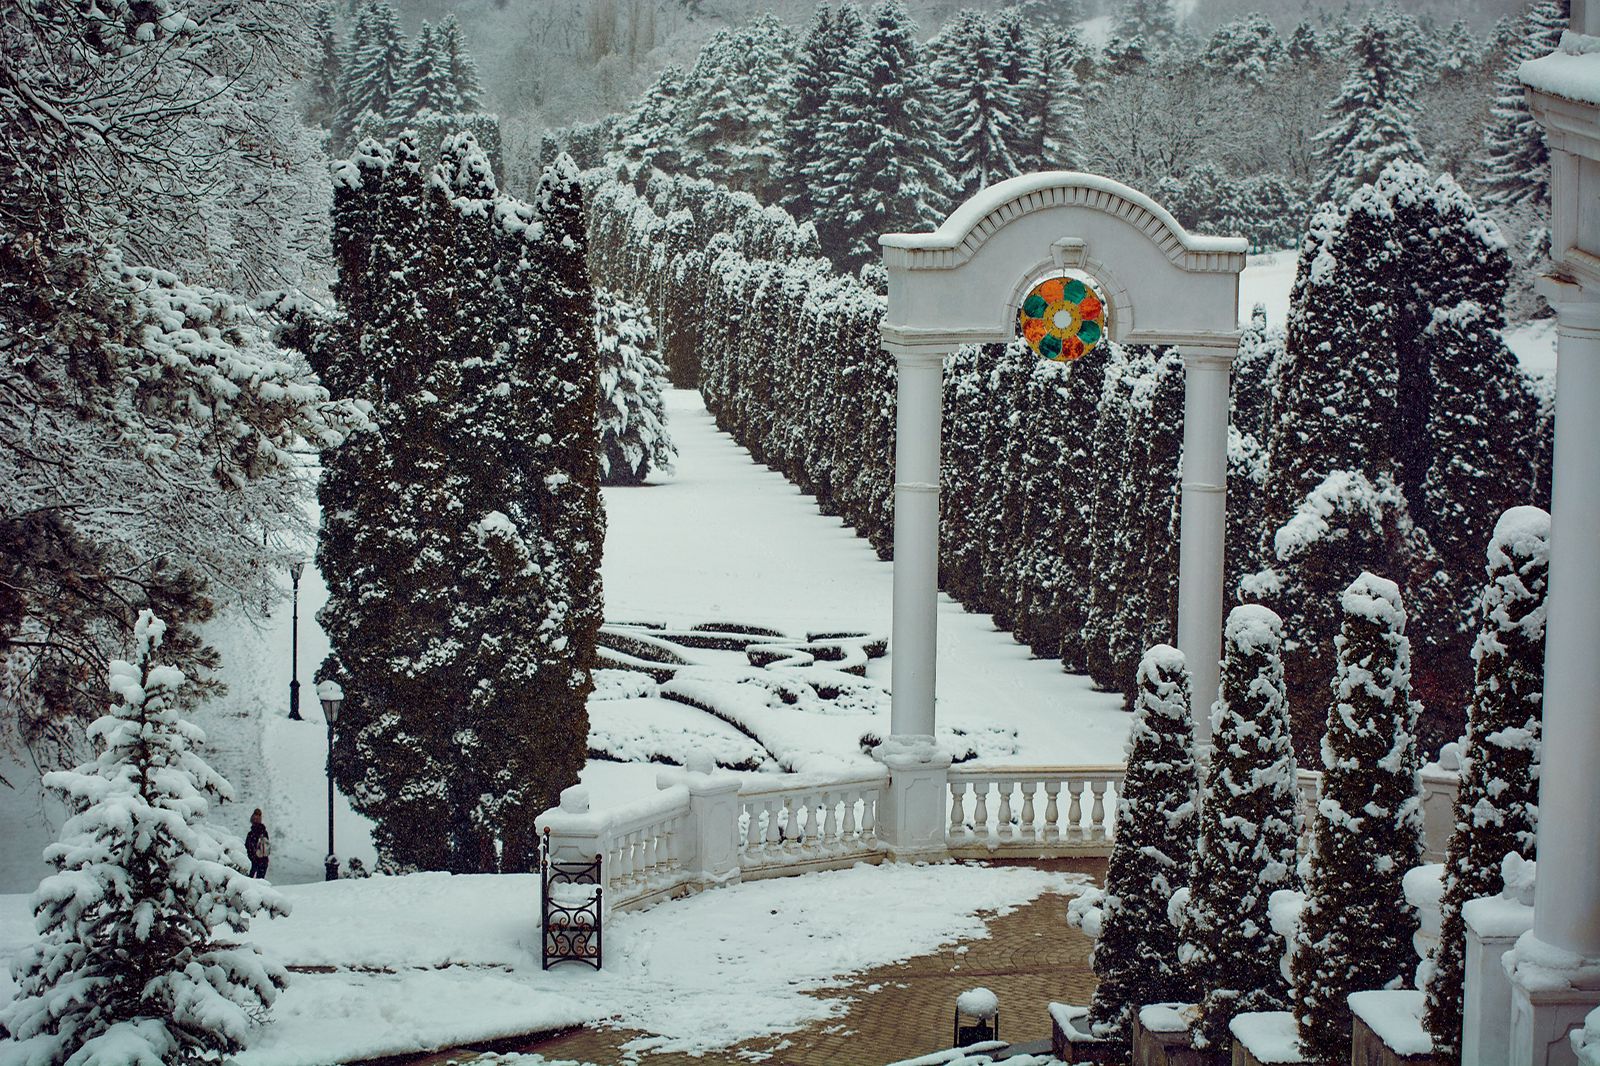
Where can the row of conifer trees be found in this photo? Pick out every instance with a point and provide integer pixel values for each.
(1187, 913)
(1386, 438)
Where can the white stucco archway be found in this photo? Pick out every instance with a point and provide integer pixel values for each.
(962, 284)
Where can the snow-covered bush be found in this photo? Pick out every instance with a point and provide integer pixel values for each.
(1136, 954)
(1356, 929)
(138, 959)
(1248, 833)
(1497, 807)
(632, 416)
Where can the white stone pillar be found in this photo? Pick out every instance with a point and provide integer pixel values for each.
(912, 813)
(918, 415)
(1203, 521)
(1566, 912)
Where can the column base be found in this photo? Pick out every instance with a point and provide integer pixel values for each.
(1552, 991)
(914, 811)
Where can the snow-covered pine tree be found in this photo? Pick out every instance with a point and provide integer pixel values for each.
(138, 960)
(632, 412)
(1154, 22)
(1248, 831)
(649, 133)
(734, 99)
(1247, 48)
(428, 86)
(465, 88)
(1050, 100)
(1135, 957)
(1370, 120)
(879, 165)
(1355, 932)
(822, 56)
(374, 72)
(1515, 170)
(322, 102)
(979, 107)
(1497, 808)
(1305, 44)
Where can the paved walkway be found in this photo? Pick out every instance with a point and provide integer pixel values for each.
(1030, 957)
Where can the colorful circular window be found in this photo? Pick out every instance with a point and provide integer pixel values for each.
(1062, 319)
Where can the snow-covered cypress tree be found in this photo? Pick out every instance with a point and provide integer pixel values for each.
(1515, 170)
(138, 960)
(879, 165)
(966, 413)
(1355, 932)
(1110, 448)
(1248, 831)
(979, 106)
(1497, 806)
(1370, 120)
(1136, 955)
(823, 55)
(632, 412)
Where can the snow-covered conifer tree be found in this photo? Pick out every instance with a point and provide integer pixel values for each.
(323, 99)
(466, 91)
(138, 959)
(1136, 955)
(1516, 165)
(649, 133)
(1049, 100)
(1154, 22)
(1112, 467)
(1356, 929)
(1247, 48)
(428, 86)
(979, 106)
(1497, 808)
(1370, 120)
(1248, 831)
(822, 57)
(632, 414)
(374, 72)
(879, 165)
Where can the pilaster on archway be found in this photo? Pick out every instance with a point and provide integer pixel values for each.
(963, 284)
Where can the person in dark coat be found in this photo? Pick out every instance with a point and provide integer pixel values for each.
(257, 845)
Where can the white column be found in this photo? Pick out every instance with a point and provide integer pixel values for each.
(1203, 523)
(1555, 969)
(918, 414)
(1567, 899)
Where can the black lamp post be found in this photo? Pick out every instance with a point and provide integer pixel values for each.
(332, 697)
(296, 568)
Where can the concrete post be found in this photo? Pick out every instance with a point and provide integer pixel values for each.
(712, 850)
(1203, 523)
(913, 635)
(1566, 911)
(1493, 926)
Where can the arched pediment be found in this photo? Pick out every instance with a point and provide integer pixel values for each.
(960, 284)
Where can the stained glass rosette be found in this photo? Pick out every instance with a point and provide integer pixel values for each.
(1062, 319)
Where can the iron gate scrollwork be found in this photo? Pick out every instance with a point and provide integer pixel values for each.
(570, 925)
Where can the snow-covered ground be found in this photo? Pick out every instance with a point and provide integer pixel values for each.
(430, 960)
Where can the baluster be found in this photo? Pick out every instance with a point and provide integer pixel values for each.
(829, 838)
(1075, 810)
(1052, 812)
(613, 863)
(980, 809)
(847, 830)
(1029, 830)
(958, 814)
(794, 831)
(771, 849)
(869, 815)
(1097, 817)
(752, 830)
(652, 855)
(1004, 818)
(625, 867)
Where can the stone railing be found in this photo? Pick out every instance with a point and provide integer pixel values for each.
(1031, 811)
(707, 827)
(789, 828)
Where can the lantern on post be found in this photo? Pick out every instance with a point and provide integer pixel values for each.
(980, 1009)
(332, 697)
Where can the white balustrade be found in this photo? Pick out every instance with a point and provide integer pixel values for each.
(1019, 809)
(812, 824)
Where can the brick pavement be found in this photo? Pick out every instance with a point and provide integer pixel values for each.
(1030, 957)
